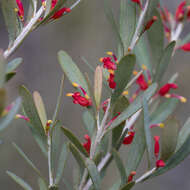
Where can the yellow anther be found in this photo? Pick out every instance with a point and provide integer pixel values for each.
(135, 72)
(126, 92)
(144, 67)
(129, 49)
(69, 94)
(86, 96)
(109, 53)
(149, 82)
(75, 84)
(44, 4)
(16, 10)
(17, 116)
(101, 59)
(49, 122)
(111, 71)
(161, 125)
(167, 96)
(183, 99)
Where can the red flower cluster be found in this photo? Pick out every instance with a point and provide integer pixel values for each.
(142, 82)
(87, 144)
(130, 178)
(20, 9)
(84, 101)
(150, 23)
(159, 163)
(111, 65)
(181, 11)
(60, 12)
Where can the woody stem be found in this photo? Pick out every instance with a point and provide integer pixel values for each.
(26, 30)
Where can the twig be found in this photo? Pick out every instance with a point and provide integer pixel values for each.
(26, 30)
(139, 24)
(49, 160)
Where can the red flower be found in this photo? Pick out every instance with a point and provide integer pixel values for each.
(87, 144)
(20, 9)
(185, 47)
(60, 12)
(150, 23)
(129, 139)
(156, 146)
(142, 82)
(108, 63)
(166, 88)
(180, 11)
(53, 3)
(112, 83)
(84, 101)
(160, 163)
(19, 116)
(130, 178)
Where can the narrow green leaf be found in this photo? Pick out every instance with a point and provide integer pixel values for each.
(137, 148)
(30, 163)
(143, 54)
(169, 138)
(41, 184)
(119, 107)
(163, 111)
(164, 62)
(3, 98)
(31, 112)
(11, 19)
(3, 63)
(116, 185)
(19, 181)
(156, 43)
(94, 174)
(5, 121)
(148, 136)
(12, 65)
(120, 166)
(134, 107)
(38, 101)
(123, 75)
(59, 100)
(128, 186)
(98, 85)
(127, 22)
(111, 19)
(78, 158)
(153, 4)
(89, 122)
(9, 76)
(56, 142)
(71, 70)
(74, 140)
(61, 163)
(183, 134)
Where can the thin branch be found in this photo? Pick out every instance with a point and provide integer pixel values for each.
(26, 30)
(139, 24)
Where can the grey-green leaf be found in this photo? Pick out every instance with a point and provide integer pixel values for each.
(183, 134)
(111, 19)
(31, 111)
(5, 121)
(61, 163)
(3, 63)
(19, 181)
(41, 184)
(128, 186)
(123, 75)
(12, 65)
(120, 166)
(169, 138)
(74, 140)
(94, 174)
(164, 62)
(71, 70)
(148, 136)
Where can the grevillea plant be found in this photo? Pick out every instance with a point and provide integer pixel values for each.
(137, 111)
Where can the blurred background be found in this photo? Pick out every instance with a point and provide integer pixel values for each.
(84, 32)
